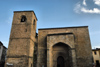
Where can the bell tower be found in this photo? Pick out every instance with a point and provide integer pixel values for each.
(22, 40)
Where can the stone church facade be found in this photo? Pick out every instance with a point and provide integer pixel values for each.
(52, 47)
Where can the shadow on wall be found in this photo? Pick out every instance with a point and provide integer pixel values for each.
(2, 64)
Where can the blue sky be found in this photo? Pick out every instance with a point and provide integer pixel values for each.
(54, 13)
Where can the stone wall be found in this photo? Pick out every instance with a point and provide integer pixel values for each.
(81, 42)
(27, 50)
(22, 40)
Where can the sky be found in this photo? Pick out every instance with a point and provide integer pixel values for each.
(52, 14)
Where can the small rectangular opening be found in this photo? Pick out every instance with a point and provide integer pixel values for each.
(95, 52)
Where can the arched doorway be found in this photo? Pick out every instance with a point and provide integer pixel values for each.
(60, 62)
(61, 54)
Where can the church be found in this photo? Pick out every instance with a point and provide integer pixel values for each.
(51, 47)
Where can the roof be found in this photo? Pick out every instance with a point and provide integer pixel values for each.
(27, 11)
(96, 49)
(2, 45)
(62, 27)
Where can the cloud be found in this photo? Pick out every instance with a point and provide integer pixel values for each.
(97, 2)
(82, 8)
(84, 3)
(77, 8)
(94, 10)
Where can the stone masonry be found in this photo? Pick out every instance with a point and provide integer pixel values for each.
(22, 40)
(52, 47)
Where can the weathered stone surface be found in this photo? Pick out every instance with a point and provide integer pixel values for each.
(64, 47)
(22, 40)
(77, 38)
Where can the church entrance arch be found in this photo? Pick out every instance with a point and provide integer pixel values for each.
(61, 54)
(61, 45)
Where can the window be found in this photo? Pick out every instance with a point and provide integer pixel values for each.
(23, 18)
(95, 52)
(34, 22)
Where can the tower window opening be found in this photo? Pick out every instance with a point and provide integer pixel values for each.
(34, 22)
(23, 18)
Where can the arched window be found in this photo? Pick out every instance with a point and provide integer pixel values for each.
(34, 22)
(23, 18)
